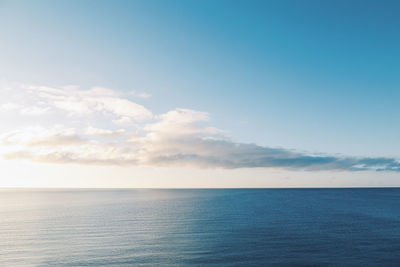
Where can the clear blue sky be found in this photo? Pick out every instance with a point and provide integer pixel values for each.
(316, 76)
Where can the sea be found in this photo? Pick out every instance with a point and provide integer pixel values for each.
(200, 227)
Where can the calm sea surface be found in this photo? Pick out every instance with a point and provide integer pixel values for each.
(232, 227)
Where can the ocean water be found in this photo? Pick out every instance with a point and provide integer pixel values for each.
(232, 227)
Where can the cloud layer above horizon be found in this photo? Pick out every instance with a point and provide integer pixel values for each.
(103, 127)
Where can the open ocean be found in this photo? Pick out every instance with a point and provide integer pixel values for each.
(214, 227)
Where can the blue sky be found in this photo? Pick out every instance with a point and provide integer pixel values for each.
(312, 76)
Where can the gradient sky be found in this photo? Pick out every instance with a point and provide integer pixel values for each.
(314, 82)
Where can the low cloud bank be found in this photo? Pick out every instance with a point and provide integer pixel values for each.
(132, 135)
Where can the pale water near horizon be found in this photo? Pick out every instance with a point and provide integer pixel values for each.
(214, 227)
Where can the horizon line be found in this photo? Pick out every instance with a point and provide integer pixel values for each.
(191, 188)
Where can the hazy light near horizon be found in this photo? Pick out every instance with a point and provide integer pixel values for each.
(100, 126)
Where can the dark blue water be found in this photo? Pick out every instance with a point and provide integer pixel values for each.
(233, 227)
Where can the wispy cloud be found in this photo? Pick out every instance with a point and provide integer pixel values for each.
(140, 94)
(179, 137)
(76, 102)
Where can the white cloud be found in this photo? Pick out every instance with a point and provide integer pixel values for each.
(179, 137)
(65, 145)
(34, 110)
(9, 106)
(143, 95)
(92, 131)
(41, 137)
(180, 122)
(123, 120)
(78, 102)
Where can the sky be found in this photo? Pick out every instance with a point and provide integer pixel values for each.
(199, 93)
